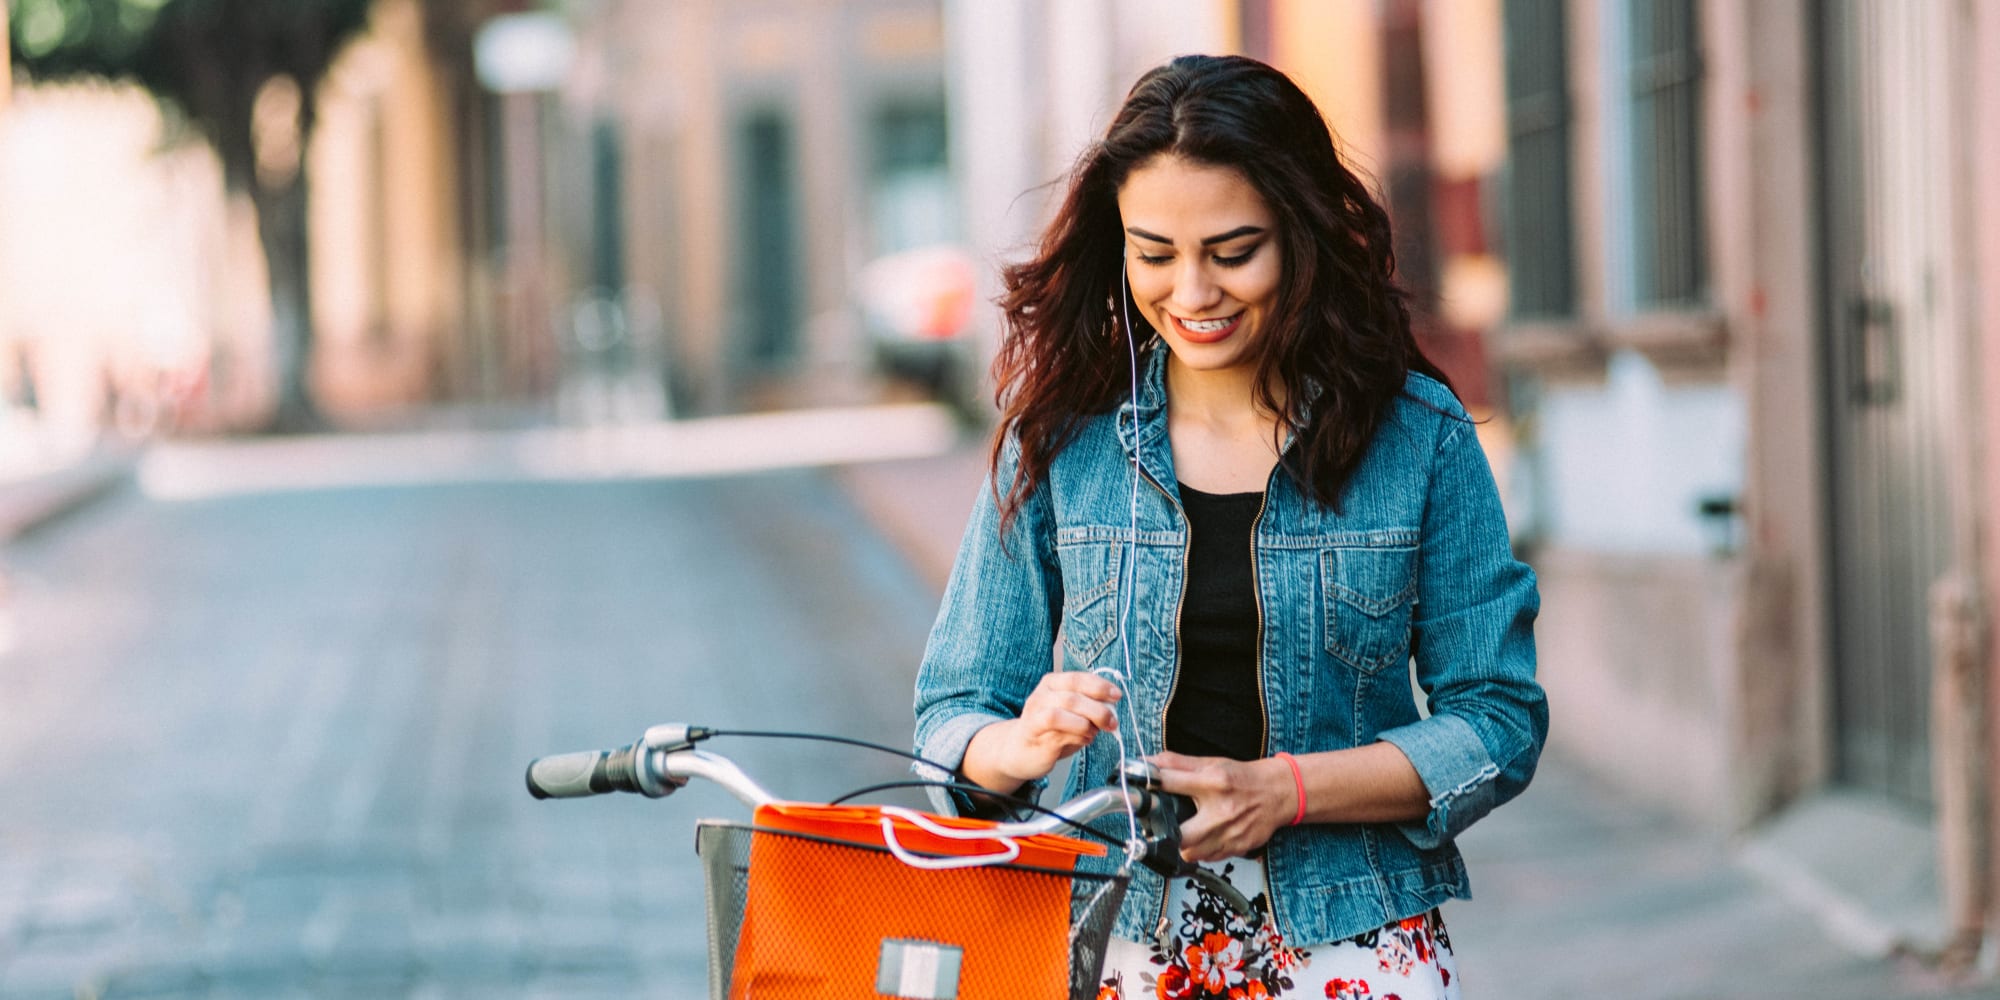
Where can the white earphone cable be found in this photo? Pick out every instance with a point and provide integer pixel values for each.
(1129, 569)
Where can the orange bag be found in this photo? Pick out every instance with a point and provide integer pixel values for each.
(831, 911)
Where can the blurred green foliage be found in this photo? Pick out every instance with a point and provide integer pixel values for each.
(208, 57)
(74, 35)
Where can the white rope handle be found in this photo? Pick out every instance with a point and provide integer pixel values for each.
(1010, 850)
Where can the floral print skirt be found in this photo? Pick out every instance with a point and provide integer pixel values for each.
(1212, 951)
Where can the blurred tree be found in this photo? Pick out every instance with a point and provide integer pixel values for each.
(244, 74)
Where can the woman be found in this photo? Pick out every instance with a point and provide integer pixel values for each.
(1229, 475)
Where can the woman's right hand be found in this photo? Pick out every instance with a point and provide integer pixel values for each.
(1067, 709)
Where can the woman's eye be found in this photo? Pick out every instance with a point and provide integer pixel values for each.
(1151, 259)
(1240, 259)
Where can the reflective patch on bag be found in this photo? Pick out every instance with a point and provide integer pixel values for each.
(918, 970)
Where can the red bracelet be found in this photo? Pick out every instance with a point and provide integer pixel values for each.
(1298, 783)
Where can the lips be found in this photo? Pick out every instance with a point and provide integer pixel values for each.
(1207, 331)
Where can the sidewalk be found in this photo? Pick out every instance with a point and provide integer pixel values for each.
(1579, 892)
(29, 504)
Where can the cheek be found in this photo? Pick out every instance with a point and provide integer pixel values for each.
(1147, 283)
(1259, 289)
(1147, 291)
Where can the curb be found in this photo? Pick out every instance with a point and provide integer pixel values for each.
(32, 504)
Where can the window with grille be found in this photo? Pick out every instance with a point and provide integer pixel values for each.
(912, 200)
(1541, 268)
(1669, 265)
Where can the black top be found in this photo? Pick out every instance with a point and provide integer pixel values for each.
(1216, 708)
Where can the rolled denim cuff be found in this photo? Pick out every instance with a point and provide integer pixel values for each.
(946, 746)
(1457, 772)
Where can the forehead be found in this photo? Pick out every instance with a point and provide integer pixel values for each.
(1181, 198)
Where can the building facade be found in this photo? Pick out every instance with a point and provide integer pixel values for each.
(730, 168)
(1748, 349)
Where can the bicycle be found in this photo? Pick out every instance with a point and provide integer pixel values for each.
(936, 916)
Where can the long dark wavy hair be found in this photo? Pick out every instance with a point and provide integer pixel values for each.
(1339, 323)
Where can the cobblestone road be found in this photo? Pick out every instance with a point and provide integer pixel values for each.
(271, 746)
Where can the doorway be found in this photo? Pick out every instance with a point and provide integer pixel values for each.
(767, 302)
(1886, 236)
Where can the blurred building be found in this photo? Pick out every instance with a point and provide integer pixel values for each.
(670, 213)
(134, 302)
(1752, 272)
(1412, 90)
(389, 254)
(731, 168)
(682, 216)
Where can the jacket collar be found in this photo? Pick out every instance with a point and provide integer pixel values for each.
(1142, 418)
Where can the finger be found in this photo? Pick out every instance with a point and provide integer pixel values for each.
(1059, 723)
(1101, 715)
(1174, 782)
(1087, 684)
(1048, 697)
(1197, 838)
(1181, 774)
(1218, 834)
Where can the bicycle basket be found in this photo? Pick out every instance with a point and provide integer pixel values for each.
(808, 902)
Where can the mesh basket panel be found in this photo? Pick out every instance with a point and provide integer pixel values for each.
(725, 865)
(819, 912)
(1093, 908)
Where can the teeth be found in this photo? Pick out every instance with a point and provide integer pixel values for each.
(1208, 325)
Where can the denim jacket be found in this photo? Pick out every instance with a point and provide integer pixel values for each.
(1415, 565)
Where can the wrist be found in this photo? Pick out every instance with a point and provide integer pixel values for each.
(1291, 779)
(990, 758)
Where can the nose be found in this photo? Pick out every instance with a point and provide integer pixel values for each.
(1195, 289)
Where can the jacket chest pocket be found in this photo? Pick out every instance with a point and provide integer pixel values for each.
(1090, 597)
(1367, 594)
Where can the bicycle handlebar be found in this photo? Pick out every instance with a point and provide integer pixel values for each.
(663, 760)
(591, 772)
(656, 767)
(652, 771)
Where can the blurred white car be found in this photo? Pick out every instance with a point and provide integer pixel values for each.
(917, 305)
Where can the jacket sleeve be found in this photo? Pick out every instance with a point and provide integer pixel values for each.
(1474, 644)
(995, 632)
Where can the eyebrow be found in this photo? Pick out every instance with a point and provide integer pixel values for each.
(1239, 231)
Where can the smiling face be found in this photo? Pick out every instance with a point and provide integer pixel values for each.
(1202, 257)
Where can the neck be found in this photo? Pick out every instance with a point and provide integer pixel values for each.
(1216, 398)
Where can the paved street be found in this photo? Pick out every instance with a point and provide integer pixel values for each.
(266, 742)
(271, 745)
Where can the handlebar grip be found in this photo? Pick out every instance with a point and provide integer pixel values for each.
(588, 772)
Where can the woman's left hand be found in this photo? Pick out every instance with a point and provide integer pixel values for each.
(1238, 804)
